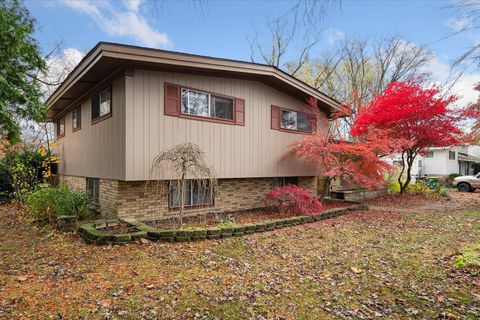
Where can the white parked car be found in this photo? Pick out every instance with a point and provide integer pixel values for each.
(467, 183)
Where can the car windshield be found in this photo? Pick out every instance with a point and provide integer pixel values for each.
(478, 176)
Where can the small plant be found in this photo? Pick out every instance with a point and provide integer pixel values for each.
(450, 178)
(292, 198)
(469, 260)
(227, 223)
(419, 188)
(48, 203)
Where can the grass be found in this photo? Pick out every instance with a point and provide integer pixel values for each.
(393, 265)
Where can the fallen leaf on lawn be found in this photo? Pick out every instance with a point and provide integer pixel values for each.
(22, 278)
(356, 270)
(144, 241)
(449, 315)
(150, 286)
(105, 303)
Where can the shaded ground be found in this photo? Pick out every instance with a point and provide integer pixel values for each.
(389, 264)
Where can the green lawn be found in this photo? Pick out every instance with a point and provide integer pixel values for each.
(396, 265)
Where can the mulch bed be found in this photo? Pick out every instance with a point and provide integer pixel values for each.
(240, 217)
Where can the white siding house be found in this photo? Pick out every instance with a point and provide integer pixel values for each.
(442, 161)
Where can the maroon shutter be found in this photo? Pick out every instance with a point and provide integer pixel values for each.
(172, 100)
(275, 117)
(240, 112)
(313, 123)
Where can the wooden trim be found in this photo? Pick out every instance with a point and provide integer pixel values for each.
(101, 118)
(58, 135)
(80, 126)
(105, 116)
(309, 114)
(191, 207)
(204, 118)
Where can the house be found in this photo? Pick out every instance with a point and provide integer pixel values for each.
(442, 161)
(124, 104)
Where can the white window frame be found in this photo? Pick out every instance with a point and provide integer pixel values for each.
(296, 120)
(209, 105)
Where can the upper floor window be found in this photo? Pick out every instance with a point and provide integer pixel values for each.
(451, 155)
(294, 120)
(429, 154)
(76, 119)
(102, 105)
(61, 127)
(206, 105)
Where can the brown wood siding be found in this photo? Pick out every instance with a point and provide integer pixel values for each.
(98, 149)
(252, 150)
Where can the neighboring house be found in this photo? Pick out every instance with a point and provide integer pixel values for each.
(122, 105)
(442, 161)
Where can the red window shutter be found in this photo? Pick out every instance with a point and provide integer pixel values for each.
(313, 123)
(240, 112)
(172, 100)
(275, 117)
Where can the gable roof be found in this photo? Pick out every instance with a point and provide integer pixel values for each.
(106, 59)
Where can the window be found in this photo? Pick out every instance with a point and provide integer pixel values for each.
(197, 193)
(93, 189)
(294, 120)
(61, 128)
(76, 119)
(284, 181)
(451, 155)
(102, 105)
(206, 105)
(419, 163)
(429, 154)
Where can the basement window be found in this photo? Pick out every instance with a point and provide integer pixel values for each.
(284, 181)
(93, 189)
(198, 193)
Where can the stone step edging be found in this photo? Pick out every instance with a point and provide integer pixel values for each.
(92, 234)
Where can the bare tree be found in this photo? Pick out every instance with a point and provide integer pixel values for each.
(185, 161)
(295, 30)
(358, 69)
(466, 18)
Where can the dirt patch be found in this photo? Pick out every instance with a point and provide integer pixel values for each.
(239, 217)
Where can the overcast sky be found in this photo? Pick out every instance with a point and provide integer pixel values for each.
(222, 28)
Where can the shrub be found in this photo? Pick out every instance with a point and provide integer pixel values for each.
(391, 180)
(48, 203)
(22, 171)
(294, 199)
(469, 260)
(450, 178)
(419, 187)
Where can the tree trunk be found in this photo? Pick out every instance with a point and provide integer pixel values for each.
(182, 198)
(410, 158)
(326, 186)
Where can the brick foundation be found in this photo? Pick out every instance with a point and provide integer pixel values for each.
(133, 199)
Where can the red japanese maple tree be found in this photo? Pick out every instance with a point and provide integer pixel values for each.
(355, 162)
(413, 117)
